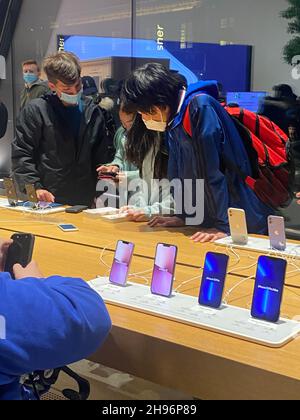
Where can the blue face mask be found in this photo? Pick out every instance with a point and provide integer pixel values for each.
(73, 100)
(30, 78)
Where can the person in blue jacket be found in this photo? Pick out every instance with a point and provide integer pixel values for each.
(163, 102)
(45, 324)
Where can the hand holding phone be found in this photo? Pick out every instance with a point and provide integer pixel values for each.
(121, 264)
(213, 280)
(164, 270)
(108, 175)
(108, 172)
(32, 270)
(19, 252)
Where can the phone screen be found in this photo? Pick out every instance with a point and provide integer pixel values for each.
(68, 228)
(164, 270)
(268, 289)
(121, 265)
(213, 281)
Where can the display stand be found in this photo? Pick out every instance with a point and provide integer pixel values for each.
(227, 320)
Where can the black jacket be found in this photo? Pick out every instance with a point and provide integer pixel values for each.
(46, 154)
(3, 119)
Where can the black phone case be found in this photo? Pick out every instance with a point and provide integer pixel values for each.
(76, 209)
(20, 252)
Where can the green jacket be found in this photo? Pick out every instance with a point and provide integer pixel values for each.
(34, 91)
(120, 157)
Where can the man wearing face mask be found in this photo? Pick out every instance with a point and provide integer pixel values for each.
(34, 86)
(61, 138)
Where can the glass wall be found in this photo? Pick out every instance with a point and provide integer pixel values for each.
(237, 42)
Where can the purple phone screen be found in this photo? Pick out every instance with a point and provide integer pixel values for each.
(164, 268)
(120, 268)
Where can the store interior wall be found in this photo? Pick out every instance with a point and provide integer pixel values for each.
(254, 23)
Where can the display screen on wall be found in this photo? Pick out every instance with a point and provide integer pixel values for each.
(230, 65)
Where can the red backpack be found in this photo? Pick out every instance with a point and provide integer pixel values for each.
(267, 148)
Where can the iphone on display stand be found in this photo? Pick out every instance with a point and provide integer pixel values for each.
(277, 233)
(238, 226)
(121, 264)
(213, 280)
(164, 270)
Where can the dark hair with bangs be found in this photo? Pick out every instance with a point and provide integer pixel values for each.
(153, 85)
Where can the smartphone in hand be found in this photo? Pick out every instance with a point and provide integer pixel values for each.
(20, 252)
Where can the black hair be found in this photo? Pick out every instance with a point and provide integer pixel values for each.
(153, 85)
(284, 91)
(140, 141)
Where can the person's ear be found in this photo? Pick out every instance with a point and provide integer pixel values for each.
(52, 86)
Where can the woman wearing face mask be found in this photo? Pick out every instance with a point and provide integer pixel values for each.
(141, 158)
(147, 150)
(120, 164)
(165, 106)
(34, 87)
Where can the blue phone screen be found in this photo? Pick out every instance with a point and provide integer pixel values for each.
(213, 281)
(268, 289)
(68, 227)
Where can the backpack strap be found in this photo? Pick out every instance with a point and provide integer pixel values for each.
(187, 125)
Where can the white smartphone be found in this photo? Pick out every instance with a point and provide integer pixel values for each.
(68, 228)
(238, 226)
(277, 233)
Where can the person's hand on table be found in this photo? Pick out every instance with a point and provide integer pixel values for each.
(31, 271)
(163, 221)
(208, 235)
(298, 196)
(45, 196)
(137, 216)
(4, 245)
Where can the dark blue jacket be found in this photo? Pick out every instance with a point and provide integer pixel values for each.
(49, 324)
(215, 139)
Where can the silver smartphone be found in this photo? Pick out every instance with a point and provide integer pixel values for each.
(277, 233)
(238, 226)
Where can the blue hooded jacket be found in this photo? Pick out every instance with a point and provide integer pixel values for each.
(49, 324)
(201, 157)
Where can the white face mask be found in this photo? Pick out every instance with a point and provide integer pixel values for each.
(160, 126)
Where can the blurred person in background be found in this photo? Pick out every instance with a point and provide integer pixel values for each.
(3, 119)
(35, 87)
